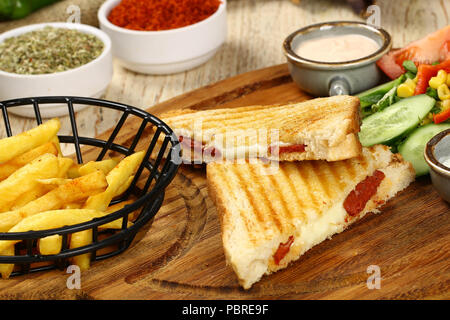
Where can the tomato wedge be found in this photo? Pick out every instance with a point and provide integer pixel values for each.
(433, 48)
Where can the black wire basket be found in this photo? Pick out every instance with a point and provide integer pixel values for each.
(156, 171)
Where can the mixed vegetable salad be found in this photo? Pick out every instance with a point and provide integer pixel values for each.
(408, 111)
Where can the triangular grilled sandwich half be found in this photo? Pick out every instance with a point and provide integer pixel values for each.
(269, 218)
(317, 129)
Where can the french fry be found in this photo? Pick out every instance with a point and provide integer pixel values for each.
(124, 187)
(53, 244)
(54, 181)
(43, 186)
(32, 195)
(76, 190)
(50, 245)
(73, 206)
(29, 156)
(9, 219)
(73, 191)
(73, 172)
(55, 141)
(7, 268)
(64, 165)
(50, 220)
(14, 146)
(8, 168)
(116, 178)
(24, 179)
(118, 206)
(105, 165)
(119, 176)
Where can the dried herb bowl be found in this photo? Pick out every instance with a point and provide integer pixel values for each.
(90, 79)
(158, 168)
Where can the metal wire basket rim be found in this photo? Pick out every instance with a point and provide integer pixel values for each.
(11, 103)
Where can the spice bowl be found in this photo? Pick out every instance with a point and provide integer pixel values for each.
(332, 78)
(437, 156)
(166, 51)
(88, 80)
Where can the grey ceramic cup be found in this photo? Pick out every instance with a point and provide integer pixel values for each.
(331, 78)
(437, 150)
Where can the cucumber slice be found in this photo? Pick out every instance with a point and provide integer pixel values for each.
(413, 147)
(392, 122)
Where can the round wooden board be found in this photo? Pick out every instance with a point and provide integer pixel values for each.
(180, 255)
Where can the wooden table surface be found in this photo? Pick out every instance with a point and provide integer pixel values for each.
(256, 30)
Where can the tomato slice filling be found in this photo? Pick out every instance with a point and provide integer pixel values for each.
(366, 189)
(197, 146)
(282, 250)
(287, 149)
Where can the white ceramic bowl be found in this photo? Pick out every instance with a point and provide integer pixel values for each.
(89, 80)
(167, 51)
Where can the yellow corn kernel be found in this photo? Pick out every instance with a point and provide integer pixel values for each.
(443, 92)
(448, 80)
(435, 82)
(441, 78)
(410, 83)
(404, 91)
(445, 105)
(442, 74)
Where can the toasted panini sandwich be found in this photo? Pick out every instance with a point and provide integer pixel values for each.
(322, 128)
(270, 220)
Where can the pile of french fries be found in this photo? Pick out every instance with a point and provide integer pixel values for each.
(40, 189)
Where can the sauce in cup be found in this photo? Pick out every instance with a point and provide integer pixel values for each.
(337, 48)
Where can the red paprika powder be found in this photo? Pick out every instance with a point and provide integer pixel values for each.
(154, 15)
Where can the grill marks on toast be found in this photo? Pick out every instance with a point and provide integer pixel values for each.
(304, 176)
(296, 191)
(255, 209)
(349, 169)
(293, 191)
(322, 178)
(268, 117)
(284, 200)
(272, 214)
(218, 116)
(285, 117)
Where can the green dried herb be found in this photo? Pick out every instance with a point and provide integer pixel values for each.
(48, 50)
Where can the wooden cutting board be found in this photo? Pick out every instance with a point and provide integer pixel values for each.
(180, 255)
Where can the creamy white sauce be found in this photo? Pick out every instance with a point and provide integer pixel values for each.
(337, 49)
(446, 162)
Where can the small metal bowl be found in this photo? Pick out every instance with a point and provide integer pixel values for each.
(436, 151)
(333, 78)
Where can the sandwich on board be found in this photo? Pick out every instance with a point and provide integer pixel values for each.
(317, 129)
(269, 219)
